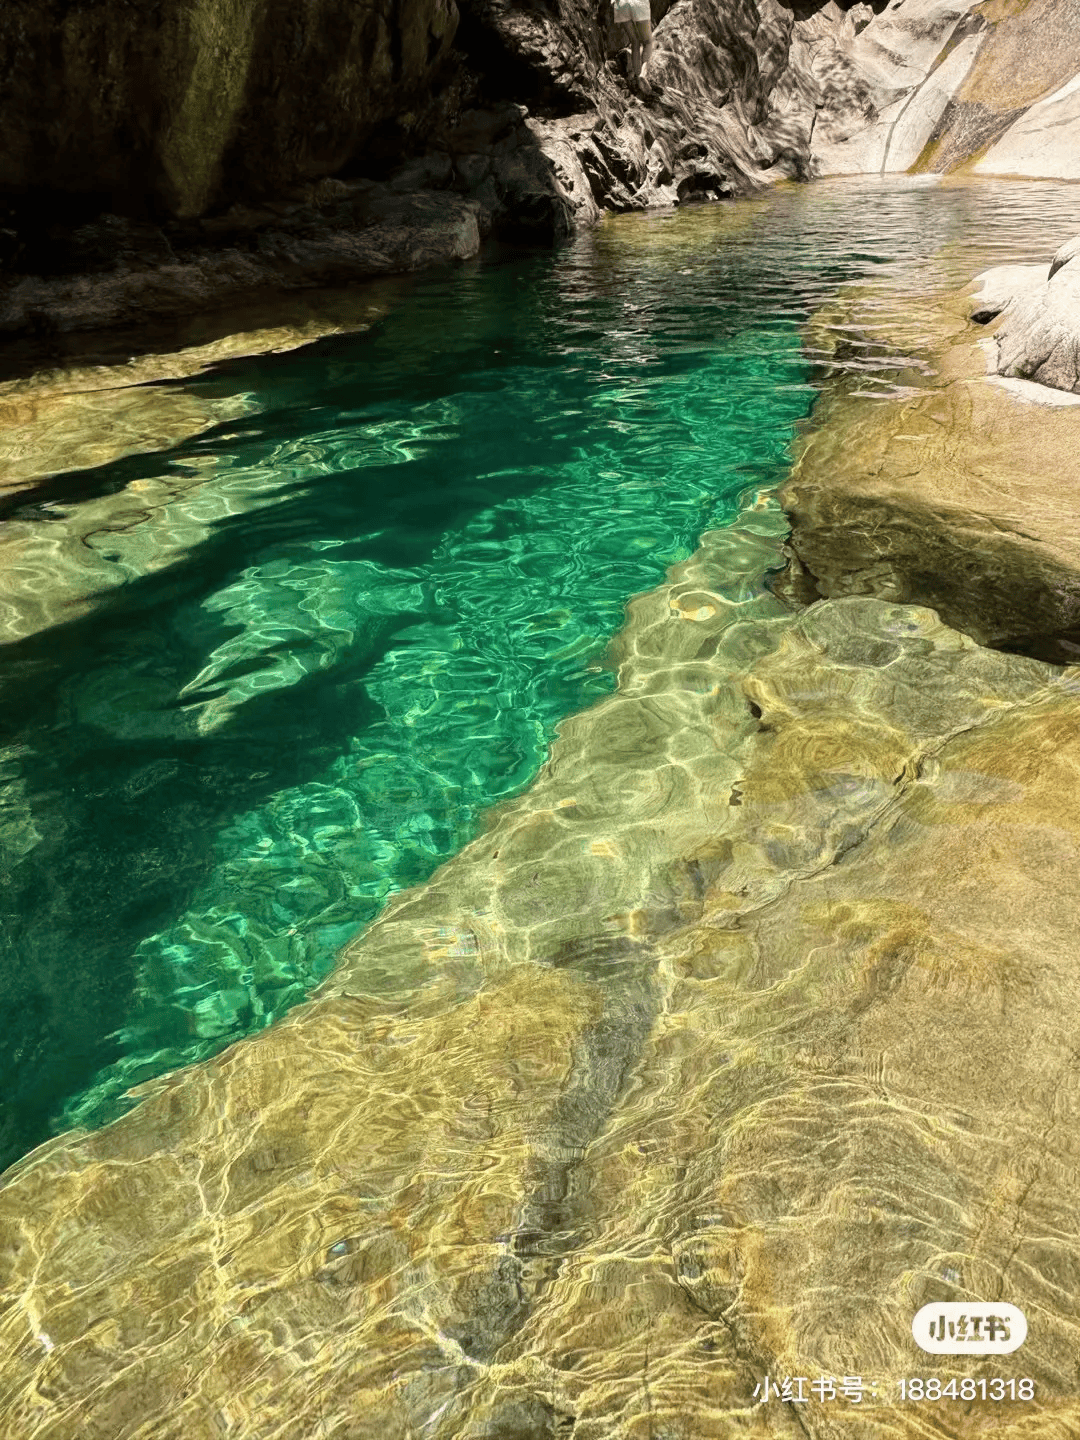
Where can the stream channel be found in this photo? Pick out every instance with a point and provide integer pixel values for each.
(340, 624)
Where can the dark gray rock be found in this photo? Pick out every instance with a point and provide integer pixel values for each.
(183, 106)
(520, 114)
(364, 230)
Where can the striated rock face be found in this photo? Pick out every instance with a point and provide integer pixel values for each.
(737, 87)
(907, 59)
(744, 1034)
(954, 84)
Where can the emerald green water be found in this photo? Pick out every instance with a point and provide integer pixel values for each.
(403, 569)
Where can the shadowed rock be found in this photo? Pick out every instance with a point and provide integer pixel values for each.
(517, 123)
(185, 104)
(344, 231)
(951, 85)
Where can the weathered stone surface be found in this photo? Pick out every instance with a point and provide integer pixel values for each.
(1039, 334)
(1026, 51)
(898, 58)
(1043, 141)
(964, 495)
(639, 1099)
(81, 416)
(1063, 254)
(184, 103)
(351, 231)
(994, 289)
(952, 84)
(240, 101)
(737, 91)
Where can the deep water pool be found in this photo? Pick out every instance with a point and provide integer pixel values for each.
(349, 618)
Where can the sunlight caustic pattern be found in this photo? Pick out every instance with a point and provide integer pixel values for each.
(497, 636)
(318, 641)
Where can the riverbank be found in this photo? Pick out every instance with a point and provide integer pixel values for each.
(958, 490)
(250, 176)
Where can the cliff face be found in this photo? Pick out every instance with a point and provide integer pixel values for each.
(174, 104)
(179, 106)
(179, 154)
(183, 153)
(956, 85)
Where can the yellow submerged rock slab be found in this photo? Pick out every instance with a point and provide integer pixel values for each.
(953, 490)
(744, 1033)
(87, 412)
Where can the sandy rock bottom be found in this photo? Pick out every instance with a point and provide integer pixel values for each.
(746, 1032)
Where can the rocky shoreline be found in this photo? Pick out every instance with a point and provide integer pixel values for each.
(962, 493)
(747, 1029)
(708, 1022)
(491, 120)
(761, 992)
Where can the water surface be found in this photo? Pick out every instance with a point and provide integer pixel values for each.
(327, 634)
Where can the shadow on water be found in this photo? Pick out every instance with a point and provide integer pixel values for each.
(127, 799)
(450, 513)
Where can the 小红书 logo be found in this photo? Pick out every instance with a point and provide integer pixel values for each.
(962, 1327)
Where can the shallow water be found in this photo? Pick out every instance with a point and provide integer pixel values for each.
(323, 637)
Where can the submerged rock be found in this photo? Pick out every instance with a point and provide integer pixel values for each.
(87, 405)
(741, 1035)
(962, 495)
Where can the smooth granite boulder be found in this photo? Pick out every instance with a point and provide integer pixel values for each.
(1039, 334)
(962, 494)
(997, 288)
(1038, 337)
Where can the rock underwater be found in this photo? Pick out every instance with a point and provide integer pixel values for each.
(962, 494)
(740, 1036)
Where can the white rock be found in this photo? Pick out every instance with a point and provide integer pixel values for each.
(998, 287)
(1044, 142)
(1039, 336)
(1065, 253)
(926, 107)
(895, 56)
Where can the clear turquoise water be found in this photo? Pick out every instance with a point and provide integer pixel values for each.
(216, 778)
